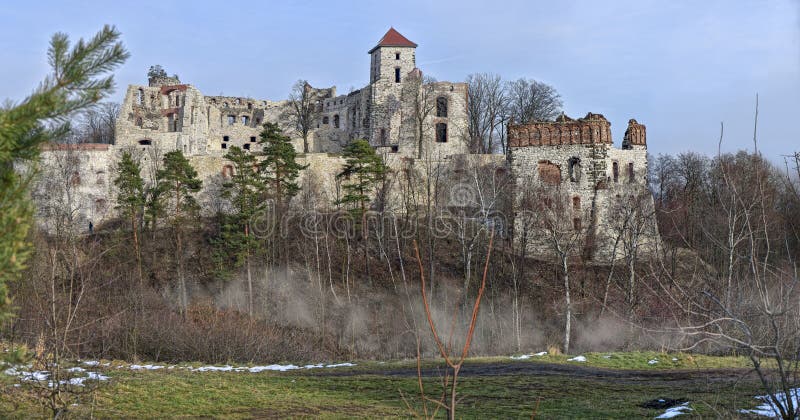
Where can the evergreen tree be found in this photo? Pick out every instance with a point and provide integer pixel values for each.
(177, 184)
(279, 167)
(363, 170)
(76, 83)
(246, 192)
(279, 170)
(131, 200)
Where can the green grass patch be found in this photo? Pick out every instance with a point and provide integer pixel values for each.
(373, 389)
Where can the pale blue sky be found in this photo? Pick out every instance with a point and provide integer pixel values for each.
(680, 67)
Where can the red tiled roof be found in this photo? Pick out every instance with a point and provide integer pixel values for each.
(393, 39)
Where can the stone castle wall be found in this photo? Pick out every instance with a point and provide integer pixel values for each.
(165, 115)
(577, 158)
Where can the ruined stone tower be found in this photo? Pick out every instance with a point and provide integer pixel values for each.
(391, 62)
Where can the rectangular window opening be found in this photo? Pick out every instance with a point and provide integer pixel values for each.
(397, 75)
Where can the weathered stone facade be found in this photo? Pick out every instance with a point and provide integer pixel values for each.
(597, 180)
(170, 115)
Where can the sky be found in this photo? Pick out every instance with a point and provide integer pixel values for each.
(680, 67)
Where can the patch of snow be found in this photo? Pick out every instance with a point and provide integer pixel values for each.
(577, 359)
(608, 356)
(676, 411)
(336, 365)
(226, 368)
(146, 367)
(652, 362)
(769, 408)
(279, 368)
(674, 359)
(41, 376)
(313, 366)
(91, 362)
(528, 356)
(90, 376)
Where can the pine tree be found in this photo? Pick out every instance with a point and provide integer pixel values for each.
(279, 170)
(177, 184)
(279, 167)
(363, 170)
(131, 200)
(246, 192)
(76, 83)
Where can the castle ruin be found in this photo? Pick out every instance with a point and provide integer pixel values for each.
(167, 114)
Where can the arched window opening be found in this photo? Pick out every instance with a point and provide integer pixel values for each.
(615, 171)
(441, 107)
(336, 121)
(231, 119)
(575, 169)
(383, 137)
(140, 97)
(576, 203)
(139, 122)
(576, 223)
(631, 173)
(549, 172)
(245, 120)
(325, 120)
(441, 132)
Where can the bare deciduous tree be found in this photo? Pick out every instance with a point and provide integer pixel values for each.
(553, 229)
(486, 111)
(304, 110)
(419, 96)
(531, 100)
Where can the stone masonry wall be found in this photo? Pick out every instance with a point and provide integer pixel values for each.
(591, 174)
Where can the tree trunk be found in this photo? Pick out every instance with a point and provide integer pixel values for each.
(568, 324)
(249, 274)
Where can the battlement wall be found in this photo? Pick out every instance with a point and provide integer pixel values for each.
(591, 129)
